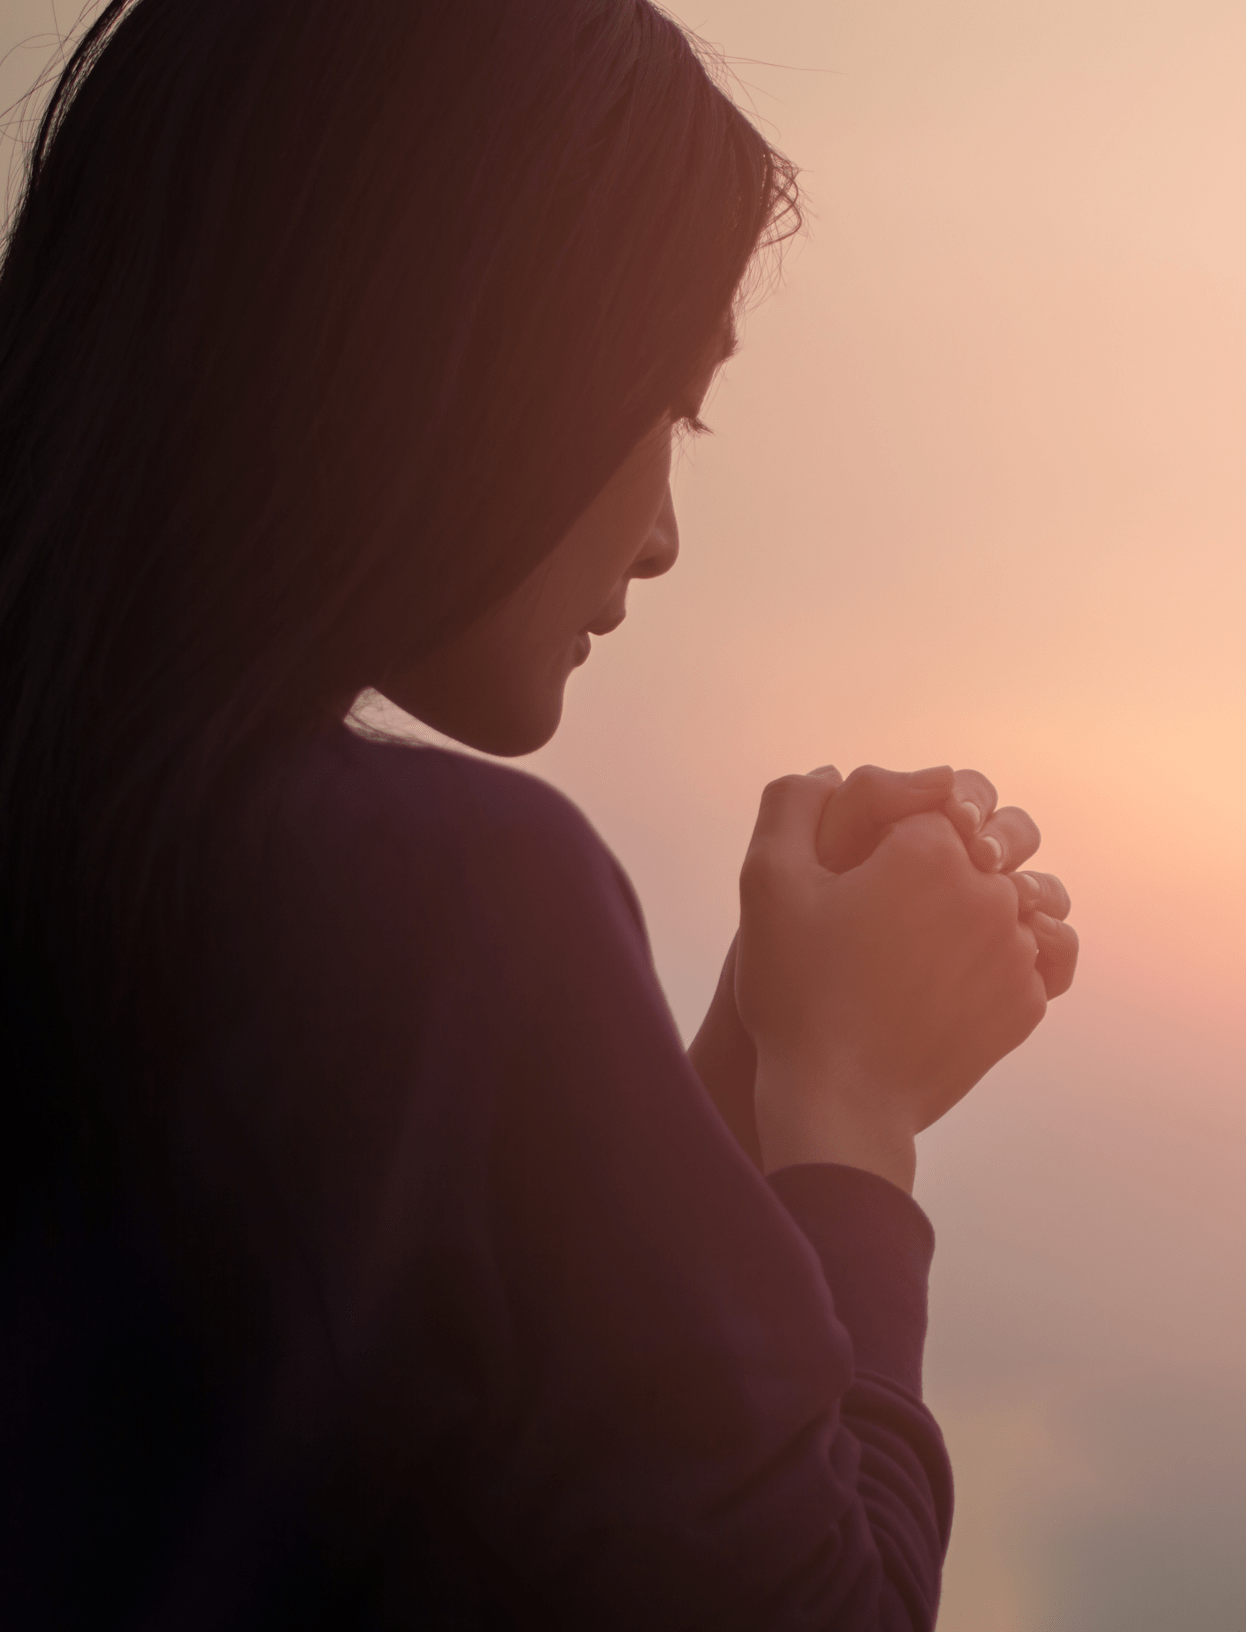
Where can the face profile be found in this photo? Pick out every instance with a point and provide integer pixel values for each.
(499, 686)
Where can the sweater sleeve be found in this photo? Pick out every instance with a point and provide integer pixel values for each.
(662, 1392)
(680, 1431)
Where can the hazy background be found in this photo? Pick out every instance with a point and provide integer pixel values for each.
(976, 493)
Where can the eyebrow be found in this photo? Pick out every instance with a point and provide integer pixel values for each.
(731, 340)
(715, 358)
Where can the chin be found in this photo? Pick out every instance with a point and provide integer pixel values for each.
(503, 719)
(520, 727)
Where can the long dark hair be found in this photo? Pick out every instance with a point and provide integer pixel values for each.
(319, 324)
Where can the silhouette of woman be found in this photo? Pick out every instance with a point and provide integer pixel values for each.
(374, 1255)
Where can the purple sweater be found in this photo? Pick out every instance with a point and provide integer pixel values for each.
(465, 1309)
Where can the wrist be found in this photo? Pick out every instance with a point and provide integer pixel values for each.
(831, 1112)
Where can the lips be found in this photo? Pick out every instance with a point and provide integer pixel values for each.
(603, 626)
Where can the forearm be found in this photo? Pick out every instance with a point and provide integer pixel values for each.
(784, 1112)
(723, 1056)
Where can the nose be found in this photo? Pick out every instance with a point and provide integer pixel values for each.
(660, 550)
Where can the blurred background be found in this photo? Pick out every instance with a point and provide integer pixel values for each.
(976, 493)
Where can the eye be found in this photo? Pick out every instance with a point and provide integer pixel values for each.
(687, 419)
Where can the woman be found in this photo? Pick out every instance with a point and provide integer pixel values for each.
(373, 1253)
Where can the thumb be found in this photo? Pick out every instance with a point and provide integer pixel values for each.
(830, 773)
(787, 819)
(1057, 952)
(866, 806)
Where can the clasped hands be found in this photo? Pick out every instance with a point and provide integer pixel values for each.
(889, 953)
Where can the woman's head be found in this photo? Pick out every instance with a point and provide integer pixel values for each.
(358, 306)
(498, 683)
(320, 326)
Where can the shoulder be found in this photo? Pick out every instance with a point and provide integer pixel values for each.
(388, 821)
(397, 914)
(463, 797)
(452, 798)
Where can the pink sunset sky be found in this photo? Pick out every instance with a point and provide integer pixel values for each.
(977, 492)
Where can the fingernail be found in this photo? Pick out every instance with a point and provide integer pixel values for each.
(995, 847)
(1031, 884)
(975, 815)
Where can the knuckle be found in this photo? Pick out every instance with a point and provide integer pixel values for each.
(861, 788)
(830, 773)
(1059, 981)
(1028, 831)
(757, 869)
(1064, 965)
(1030, 977)
(1055, 938)
(969, 780)
(863, 775)
(999, 900)
(782, 787)
(754, 891)
(996, 917)
(1018, 957)
(1034, 1008)
(1072, 941)
(1053, 898)
(760, 873)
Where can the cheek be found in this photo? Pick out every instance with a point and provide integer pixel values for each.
(527, 701)
(528, 672)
